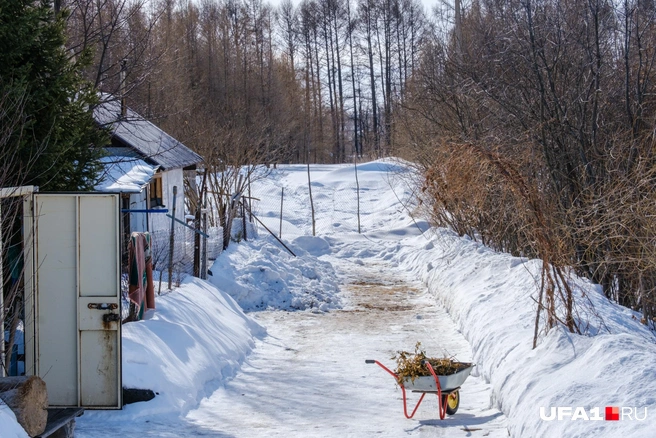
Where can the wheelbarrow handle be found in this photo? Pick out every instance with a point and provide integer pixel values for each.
(382, 366)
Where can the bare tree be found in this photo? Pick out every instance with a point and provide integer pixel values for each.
(532, 88)
(13, 171)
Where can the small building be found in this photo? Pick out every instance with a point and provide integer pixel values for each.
(131, 177)
(144, 164)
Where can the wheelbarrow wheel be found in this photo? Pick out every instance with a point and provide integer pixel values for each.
(452, 402)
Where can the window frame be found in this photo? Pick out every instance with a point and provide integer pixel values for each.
(155, 188)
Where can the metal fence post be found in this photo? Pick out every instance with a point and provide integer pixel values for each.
(2, 309)
(243, 222)
(314, 230)
(357, 190)
(282, 198)
(250, 215)
(203, 264)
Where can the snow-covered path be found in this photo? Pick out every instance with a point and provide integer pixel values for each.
(308, 376)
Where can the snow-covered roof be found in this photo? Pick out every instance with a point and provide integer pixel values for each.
(125, 174)
(154, 145)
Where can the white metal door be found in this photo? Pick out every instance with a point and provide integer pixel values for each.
(76, 300)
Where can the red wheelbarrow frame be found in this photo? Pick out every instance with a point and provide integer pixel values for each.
(441, 407)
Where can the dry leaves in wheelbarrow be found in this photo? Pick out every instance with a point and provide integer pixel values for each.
(409, 365)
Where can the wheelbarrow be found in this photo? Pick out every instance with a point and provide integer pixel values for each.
(447, 388)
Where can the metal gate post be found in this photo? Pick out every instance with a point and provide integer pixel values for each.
(2, 309)
(8, 192)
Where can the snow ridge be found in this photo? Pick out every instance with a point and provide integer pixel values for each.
(491, 296)
(261, 274)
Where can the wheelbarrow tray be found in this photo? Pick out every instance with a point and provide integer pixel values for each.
(447, 383)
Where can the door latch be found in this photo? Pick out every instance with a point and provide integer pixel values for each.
(110, 317)
(103, 306)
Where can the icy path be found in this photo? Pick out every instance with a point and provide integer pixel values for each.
(309, 378)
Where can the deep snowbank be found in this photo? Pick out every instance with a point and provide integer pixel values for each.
(197, 335)
(491, 298)
(262, 274)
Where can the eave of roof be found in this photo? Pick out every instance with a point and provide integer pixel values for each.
(125, 174)
(152, 143)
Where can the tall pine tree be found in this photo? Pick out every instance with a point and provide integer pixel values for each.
(53, 140)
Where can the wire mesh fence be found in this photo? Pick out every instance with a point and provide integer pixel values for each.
(290, 203)
(181, 262)
(172, 267)
(351, 202)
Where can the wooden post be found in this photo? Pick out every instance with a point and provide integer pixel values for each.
(250, 215)
(314, 231)
(203, 266)
(197, 225)
(243, 222)
(357, 190)
(197, 242)
(172, 236)
(282, 197)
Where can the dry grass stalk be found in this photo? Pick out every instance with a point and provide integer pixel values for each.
(410, 365)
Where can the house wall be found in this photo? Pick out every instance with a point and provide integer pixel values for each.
(139, 221)
(170, 178)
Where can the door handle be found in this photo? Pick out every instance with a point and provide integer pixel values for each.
(103, 306)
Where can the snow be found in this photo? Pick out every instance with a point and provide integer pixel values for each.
(262, 274)
(309, 377)
(196, 336)
(491, 297)
(348, 297)
(125, 174)
(10, 428)
(334, 198)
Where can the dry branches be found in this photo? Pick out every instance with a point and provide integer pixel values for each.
(411, 365)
